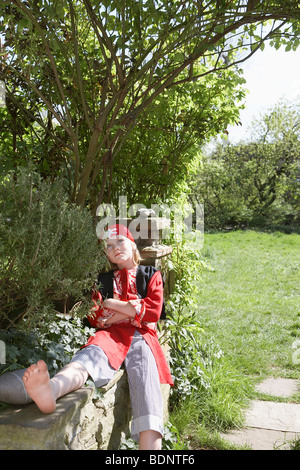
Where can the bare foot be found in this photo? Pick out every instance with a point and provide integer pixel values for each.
(37, 383)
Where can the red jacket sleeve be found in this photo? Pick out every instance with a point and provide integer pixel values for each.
(98, 311)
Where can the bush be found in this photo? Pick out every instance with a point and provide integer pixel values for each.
(249, 185)
(56, 345)
(49, 253)
(188, 358)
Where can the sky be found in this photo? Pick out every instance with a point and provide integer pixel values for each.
(271, 75)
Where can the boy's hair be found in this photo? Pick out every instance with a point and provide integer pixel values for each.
(136, 258)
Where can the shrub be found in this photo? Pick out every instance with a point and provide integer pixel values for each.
(49, 253)
(56, 345)
(183, 328)
(249, 185)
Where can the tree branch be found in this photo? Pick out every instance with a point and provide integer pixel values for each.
(78, 69)
(28, 13)
(107, 42)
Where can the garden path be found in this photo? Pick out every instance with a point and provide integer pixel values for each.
(270, 425)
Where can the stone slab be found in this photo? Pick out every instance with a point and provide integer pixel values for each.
(26, 428)
(261, 439)
(276, 416)
(155, 252)
(269, 425)
(278, 387)
(30, 416)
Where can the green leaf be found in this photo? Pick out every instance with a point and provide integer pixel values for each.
(219, 28)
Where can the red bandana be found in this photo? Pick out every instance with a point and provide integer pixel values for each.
(117, 229)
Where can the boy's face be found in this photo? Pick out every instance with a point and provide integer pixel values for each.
(119, 250)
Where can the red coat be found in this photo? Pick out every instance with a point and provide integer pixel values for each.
(115, 339)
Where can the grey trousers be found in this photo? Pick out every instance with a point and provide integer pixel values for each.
(144, 386)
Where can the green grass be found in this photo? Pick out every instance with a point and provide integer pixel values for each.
(250, 301)
(249, 306)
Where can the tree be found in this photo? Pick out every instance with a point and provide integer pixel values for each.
(279, 127)
(257, 182)
(98, 67)
(280, 123)
(163, 148)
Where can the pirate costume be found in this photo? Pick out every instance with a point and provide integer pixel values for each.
(131, 341)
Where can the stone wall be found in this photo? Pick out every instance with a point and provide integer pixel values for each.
(87, 419)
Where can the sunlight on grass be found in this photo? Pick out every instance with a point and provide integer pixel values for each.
(249, 308)
(250, 302)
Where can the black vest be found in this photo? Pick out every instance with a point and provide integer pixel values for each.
(143, 276)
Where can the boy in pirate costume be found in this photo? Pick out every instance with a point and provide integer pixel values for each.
(125, 315)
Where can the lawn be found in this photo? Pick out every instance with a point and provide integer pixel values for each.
(249, 307)
(250, 301)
